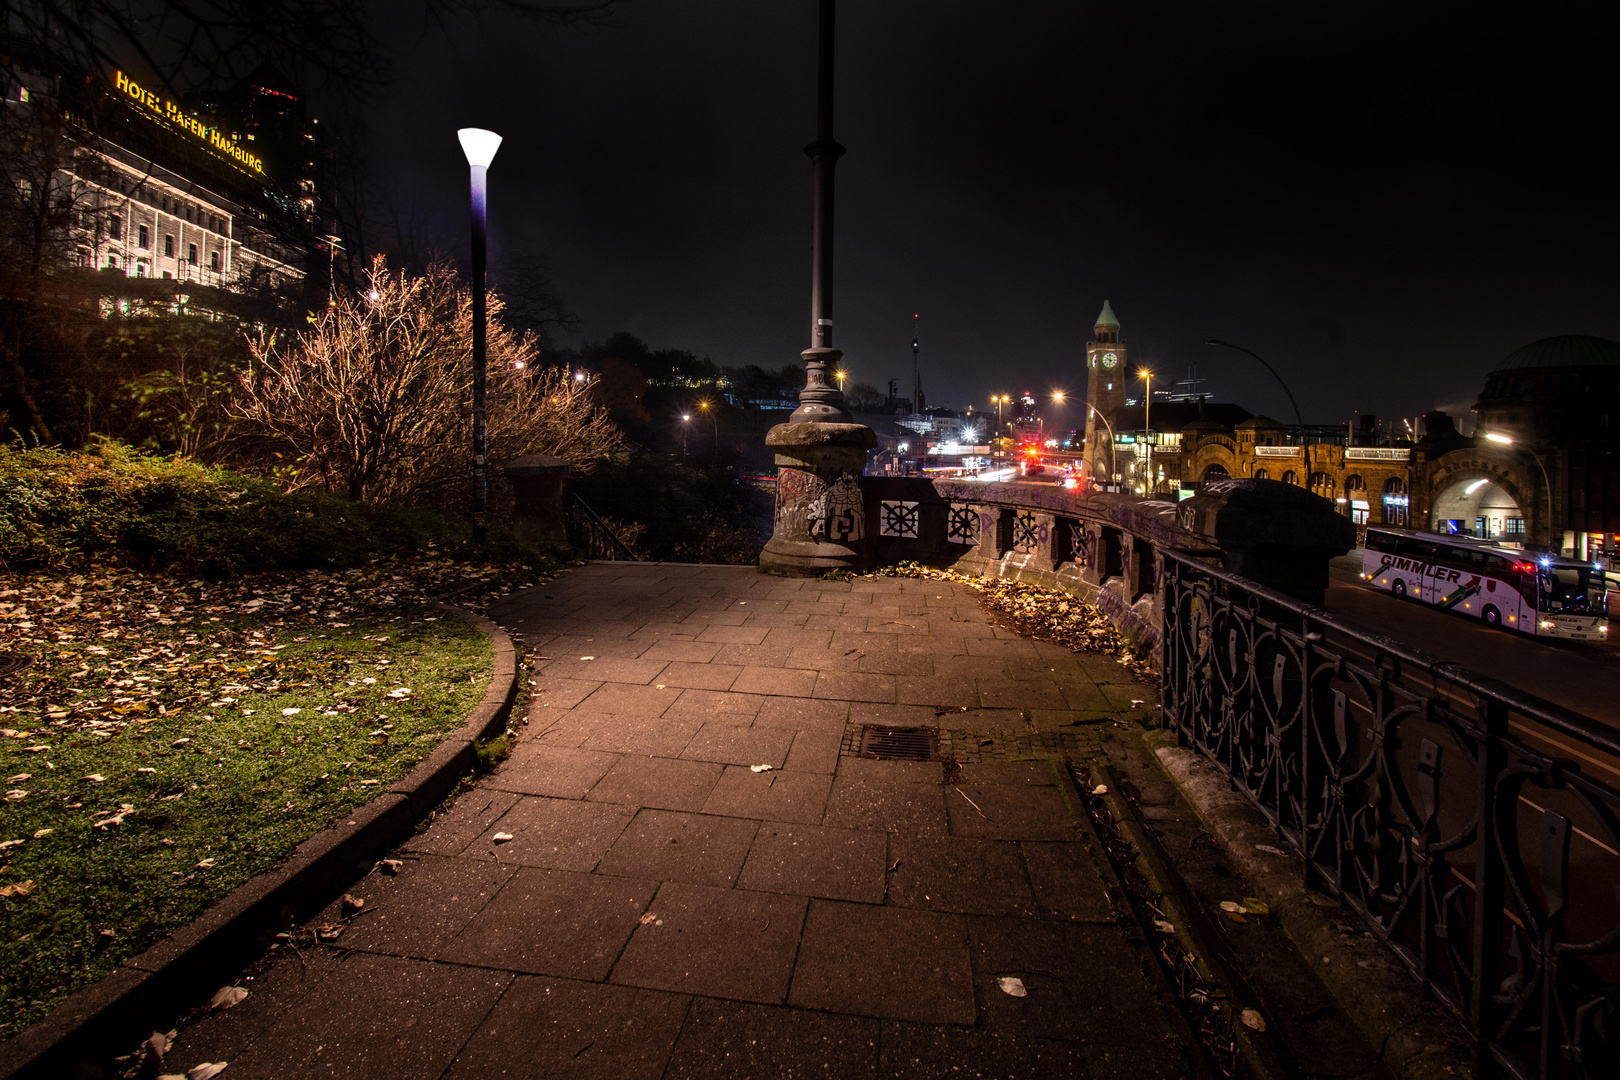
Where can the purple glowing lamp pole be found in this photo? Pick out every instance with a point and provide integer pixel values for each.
(479, 146)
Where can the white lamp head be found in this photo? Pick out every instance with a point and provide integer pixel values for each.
(479, 146)
(1497, 437)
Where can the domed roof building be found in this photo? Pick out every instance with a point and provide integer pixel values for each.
(1545, 441)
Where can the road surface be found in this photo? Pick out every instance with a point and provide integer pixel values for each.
(1583, 676)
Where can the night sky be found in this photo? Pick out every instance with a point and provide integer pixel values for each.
(1381, 199)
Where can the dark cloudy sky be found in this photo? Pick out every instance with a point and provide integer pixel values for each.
(1383, 199)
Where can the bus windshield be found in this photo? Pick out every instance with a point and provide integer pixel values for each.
(1571, 589)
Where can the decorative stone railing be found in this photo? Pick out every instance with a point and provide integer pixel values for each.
(1103, 547)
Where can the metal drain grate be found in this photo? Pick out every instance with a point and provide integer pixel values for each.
(11, 663)
(899, 743)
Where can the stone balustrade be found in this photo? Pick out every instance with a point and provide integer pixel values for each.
(1103, 547)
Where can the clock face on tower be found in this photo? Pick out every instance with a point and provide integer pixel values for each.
(1110, 360)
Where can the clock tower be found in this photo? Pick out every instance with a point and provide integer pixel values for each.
(1105, 393)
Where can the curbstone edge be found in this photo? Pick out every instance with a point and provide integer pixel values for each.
(81, 1035)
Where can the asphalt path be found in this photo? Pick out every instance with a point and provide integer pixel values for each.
(1582, 676)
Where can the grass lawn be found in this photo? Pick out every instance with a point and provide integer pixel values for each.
(172, 739)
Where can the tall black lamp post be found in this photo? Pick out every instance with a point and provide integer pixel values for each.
(479, 146)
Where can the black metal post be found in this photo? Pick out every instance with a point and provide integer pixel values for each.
(480, 176)
(820, 401)
(1298, 418)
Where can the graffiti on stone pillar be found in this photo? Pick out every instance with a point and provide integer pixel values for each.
(795, 489)
(837, 513)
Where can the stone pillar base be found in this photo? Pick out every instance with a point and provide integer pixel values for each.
(820, 510)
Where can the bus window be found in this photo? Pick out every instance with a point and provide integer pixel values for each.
(1569, 589)
(1382, 542)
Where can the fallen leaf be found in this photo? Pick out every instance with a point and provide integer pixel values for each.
(647, 918)
(21, 888)
(16, 793)
(502, 837)
(587, 658)
(400, 692)
(1100, 789)
(1137, 701)
(1255, 906)
(206, 1071)
(1012, 985)
(1232, 905)
(352, 904)
(43, 833)
(1164, 926)
(19, 778)
(95, 777)
(760, 768)
(1252, 1019)
(206, 864)
(226, 996)
(1270, 849)
(390, 866)
(37, 749)
(291, 712)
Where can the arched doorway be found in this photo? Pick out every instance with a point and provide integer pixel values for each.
(1477, 508)
(1216, 472)
(1261, 474)
(1355, 489)
(1397, 506)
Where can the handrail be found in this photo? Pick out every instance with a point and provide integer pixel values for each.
(1425, 798)
(587, 531)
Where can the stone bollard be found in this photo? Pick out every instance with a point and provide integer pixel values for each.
(1275, 534)
(820, 454)
(537, 497)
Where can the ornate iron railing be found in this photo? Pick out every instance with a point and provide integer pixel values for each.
(1474, 828)
(589, 535)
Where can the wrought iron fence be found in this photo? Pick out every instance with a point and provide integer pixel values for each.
(589, 535)
(1474, 828)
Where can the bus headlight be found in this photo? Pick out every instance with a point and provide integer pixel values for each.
(1546, 625)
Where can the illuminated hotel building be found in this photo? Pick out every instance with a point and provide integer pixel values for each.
(220, 191)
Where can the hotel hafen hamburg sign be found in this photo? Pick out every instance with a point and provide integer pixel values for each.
(169, 111)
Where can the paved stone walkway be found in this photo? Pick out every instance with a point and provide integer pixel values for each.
(664, 910)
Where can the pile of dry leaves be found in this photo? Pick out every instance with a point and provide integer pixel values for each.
(1046, 614)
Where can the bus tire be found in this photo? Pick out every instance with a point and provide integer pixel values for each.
(1399, 589)
(1491, 615)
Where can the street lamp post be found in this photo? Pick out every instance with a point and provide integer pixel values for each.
(1507, 440)
(686, 424)
(1300, 420)
(1113, 465)
(1147, 425)
(479, 146)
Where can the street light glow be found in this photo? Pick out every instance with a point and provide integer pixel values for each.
(479, 145)
(686, 418)
(1497, 437)
(1057, 396)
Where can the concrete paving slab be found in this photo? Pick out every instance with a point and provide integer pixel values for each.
(462, 823)
(853, 686)
(657, 736)
(889, 805)
(814, 751)
(669, 845)
(734, 635)
(553, 1028)
(776, 681)
(629, 699)
(1006, 812)
(663, 783)
(419, 910)
(603, 668)
(885, 962)
(556, 833)
(912, 1052)
(376, 1018)
(675, 647)
(1083, 982)
(725, 1040)
(732, 744)
(561, 693)
(280, 979)
(716, 706)
(942, 690)
(537, 769)
(907, 772)
(704, 676)
(812, 860)
(1004, 693)
(970, 877)
(554, 922)
(720, 943)
(776, 796)
(1066, 882)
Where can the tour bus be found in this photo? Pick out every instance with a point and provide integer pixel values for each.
(1529, 591)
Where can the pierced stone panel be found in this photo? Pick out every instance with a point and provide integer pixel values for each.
(897, 519)
(1026, 534)
(1079, 548)
(963, 525)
